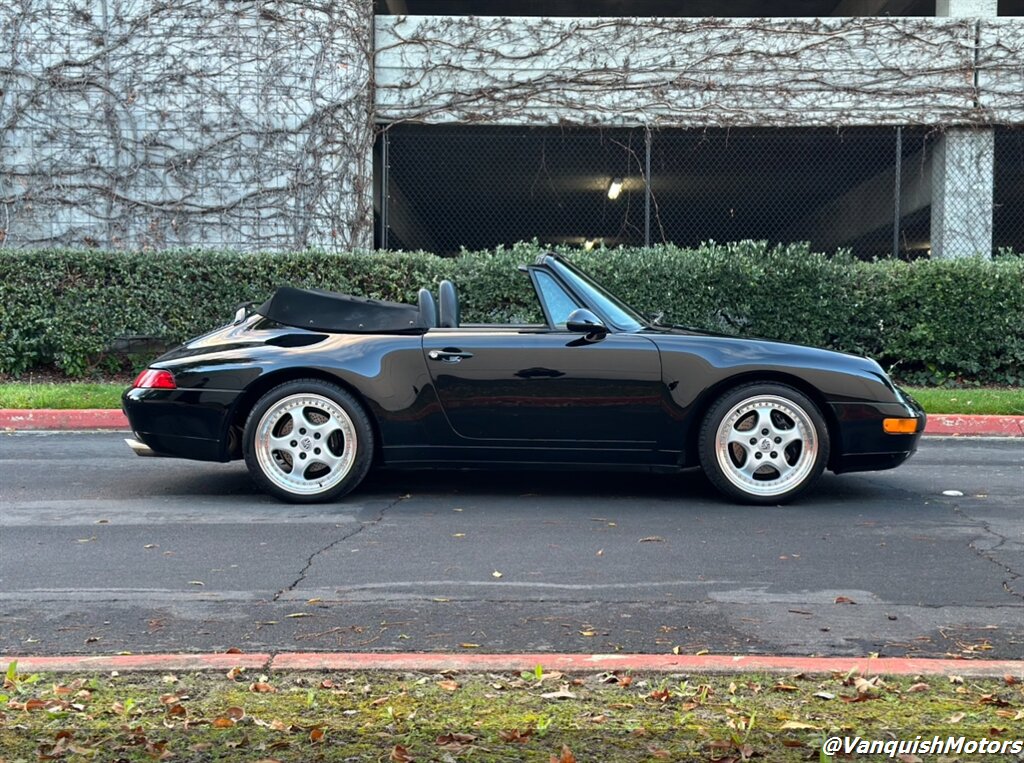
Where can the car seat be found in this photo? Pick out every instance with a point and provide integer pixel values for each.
(428, 309)
(449, 305)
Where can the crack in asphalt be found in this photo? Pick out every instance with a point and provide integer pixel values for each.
(312, 557)
(988, 554)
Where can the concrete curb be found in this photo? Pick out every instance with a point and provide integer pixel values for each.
(582, 663)
(48, 419)
(957, 425)
(43, 419)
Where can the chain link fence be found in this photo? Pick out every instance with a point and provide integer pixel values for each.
(868, 190)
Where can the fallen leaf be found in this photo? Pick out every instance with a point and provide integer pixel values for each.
(562, 693)
(400, 754)
(565, 756)
(661, 695)
(652, 539)
(1009, 679)
(262, 688)
(495, 574)
(196, 582)
(919, 687)
(844, 600)
(956, 717)
(470, 646)
(313, 601)
(785, 687)
(152, 545)
(222, 723)
(234, 673)
(235, 713)
(515, 736)
(299, 614)
(454, 742)
(824, 695)
(233, 650)
(797, 725)
(588, 634)
(316, 734)
(448, 685)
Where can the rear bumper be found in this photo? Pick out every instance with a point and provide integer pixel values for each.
(864, 445)
(183, 423)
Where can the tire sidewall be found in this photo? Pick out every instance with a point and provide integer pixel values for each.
(351, 406)
(708, 436)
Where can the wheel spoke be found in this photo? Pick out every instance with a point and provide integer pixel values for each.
(739, 438)
(326, 458)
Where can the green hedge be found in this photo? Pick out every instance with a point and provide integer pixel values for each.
(929, 321)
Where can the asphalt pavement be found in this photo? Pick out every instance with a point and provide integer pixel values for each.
(105, 552)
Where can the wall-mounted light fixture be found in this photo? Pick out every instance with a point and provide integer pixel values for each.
(614, 188)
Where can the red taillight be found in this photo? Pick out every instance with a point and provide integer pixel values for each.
(154, 378)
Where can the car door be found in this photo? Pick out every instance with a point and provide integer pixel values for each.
(548, 387)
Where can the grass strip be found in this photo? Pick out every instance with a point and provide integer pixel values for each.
(982, 400)
(69, 396)
(538, 715)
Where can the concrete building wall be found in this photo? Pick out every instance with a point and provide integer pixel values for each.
(140, 123)
(687, 72)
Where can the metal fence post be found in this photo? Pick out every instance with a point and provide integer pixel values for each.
(647, 186)
(896, 194)
(384, 189)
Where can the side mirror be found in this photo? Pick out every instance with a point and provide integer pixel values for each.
(583, 321)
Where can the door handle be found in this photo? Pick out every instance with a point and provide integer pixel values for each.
(449, 356)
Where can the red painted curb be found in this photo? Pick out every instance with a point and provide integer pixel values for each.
(433, 662)
(963, 424)
(708, 663)
(52, 419)
(57, 420)
(147, 662)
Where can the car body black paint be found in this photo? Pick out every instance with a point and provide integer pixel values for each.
(524, 395)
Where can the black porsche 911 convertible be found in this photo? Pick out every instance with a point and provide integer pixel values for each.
(313, 388)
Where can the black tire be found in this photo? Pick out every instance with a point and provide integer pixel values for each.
(325, 420)
(749, 465)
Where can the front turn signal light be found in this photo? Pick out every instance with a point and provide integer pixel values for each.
(899, 426)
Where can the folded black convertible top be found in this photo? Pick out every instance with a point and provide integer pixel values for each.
(340, 313)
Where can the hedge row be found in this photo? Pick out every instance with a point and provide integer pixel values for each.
(928, 321)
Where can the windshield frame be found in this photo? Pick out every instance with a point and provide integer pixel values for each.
(610, 308)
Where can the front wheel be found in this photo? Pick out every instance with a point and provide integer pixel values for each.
(763, 443)
(308, 441)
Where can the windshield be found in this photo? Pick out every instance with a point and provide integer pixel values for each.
(619, 314)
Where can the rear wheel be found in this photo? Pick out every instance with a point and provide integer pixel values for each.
(307, 441)
(763, 443)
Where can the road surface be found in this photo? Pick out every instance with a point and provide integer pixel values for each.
(104, 552)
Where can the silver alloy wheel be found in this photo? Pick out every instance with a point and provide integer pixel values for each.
(766, 445)
(306, 444)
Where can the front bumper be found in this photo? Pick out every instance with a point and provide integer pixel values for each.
(863, 445)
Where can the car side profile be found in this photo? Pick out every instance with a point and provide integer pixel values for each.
(312, 389)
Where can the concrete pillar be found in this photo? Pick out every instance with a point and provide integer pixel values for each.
(962, 168)
(961, 8)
